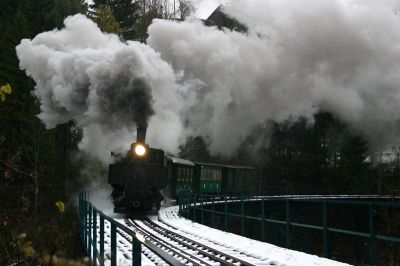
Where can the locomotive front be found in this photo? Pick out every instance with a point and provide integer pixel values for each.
(138, 178)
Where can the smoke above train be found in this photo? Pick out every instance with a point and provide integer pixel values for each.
(296, 58)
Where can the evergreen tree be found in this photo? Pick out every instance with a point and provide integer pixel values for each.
(195, 149)
(63, 9)
(353, 168)
(104, 18)
(324, 153)
(40, 15)
(125, 12)
(26, 146)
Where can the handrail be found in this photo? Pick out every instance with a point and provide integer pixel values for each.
(205, 203)
(88, 231)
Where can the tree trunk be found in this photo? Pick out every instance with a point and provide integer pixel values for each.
(36, 192)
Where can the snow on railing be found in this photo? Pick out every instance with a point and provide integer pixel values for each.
(89, 217)
(196, 206)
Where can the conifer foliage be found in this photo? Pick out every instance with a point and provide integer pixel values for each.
(117, 16)
(35, 163)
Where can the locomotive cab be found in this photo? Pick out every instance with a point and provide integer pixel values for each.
(138, 179)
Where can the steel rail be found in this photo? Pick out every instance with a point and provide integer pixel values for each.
(176, 237)
(185, 255)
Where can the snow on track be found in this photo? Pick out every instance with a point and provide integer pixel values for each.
(197, 251)
(268, 253)
(124, 247)
(251, 251)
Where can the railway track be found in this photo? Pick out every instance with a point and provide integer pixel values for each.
(169, 241)
(189, 251)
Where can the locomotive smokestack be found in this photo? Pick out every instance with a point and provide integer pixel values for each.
(141, 134)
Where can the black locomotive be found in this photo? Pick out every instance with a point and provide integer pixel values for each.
(138, 178)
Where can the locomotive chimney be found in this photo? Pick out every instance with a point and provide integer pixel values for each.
(141, 134)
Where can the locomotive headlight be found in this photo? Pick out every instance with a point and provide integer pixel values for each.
(140, 150)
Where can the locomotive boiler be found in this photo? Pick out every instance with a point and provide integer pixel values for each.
(138, 178)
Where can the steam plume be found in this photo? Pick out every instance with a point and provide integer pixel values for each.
(297, 57)
(108, 87)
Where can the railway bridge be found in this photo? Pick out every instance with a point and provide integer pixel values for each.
(228, 230)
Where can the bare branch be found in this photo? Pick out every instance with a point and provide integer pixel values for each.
(15, 169)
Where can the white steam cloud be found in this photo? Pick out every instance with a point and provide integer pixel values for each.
(296, 58)
(108, 87)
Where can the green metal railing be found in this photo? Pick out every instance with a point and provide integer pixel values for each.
(197, 206)
(92, 238)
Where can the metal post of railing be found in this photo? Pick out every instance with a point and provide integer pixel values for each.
(187, 204)
(202, 210)
(89, 252)
(213, 211)
(182, 201)
(81, 217)
(194, 208)
(136, 252)
(101, 240)
(288, 240)
(242, 215)
(113, 245)
(262, 222)
(84, 227)
(180, 198)
(226, 214)
(94, 260)
(184, 204)
(372, 238)
(325, 226)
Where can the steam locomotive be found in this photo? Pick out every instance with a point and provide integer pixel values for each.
(138, 179)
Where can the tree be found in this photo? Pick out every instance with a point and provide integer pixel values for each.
(134, 17)
(40, 15)
(195, 149)
(125, 12)
(185, 9)
(151, 9)
(26, 146)
(65, 8)
(352, 166)
(33, 160)
(324, 153)
(106, 21)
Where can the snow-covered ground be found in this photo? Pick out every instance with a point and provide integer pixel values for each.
(169, 218)
(273, 255)
(124, 247)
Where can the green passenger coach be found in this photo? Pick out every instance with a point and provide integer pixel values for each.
(208, 178)
(237, 179)
(179, 173)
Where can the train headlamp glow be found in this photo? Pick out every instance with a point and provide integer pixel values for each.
(140, 150)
